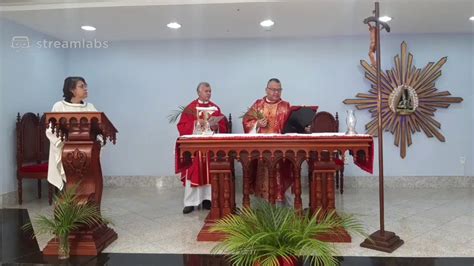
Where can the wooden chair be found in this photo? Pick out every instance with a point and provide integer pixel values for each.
(229, 123)
(232, 163)
(326, 122)
(32, 152)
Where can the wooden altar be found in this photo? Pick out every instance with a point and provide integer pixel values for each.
(83, 134)
(222, 149)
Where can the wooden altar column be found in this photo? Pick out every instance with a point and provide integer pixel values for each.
(223, 198)
(297, 187)
(322, 191)
(322, 196)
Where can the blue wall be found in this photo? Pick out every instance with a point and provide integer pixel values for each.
(3, 126)
(470, 163)
(30, 78)
(138, 83)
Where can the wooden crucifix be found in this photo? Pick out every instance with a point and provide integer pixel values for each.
(379, 240)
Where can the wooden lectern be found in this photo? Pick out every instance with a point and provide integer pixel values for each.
(83, 135)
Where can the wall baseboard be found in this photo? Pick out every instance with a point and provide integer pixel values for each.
(143, 181)
(410, 182)
(11, 198)
(349, 181)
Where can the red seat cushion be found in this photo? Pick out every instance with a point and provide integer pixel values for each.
(338, 162)
(35, 168)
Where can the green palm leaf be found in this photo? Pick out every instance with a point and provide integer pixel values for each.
(267, 234)
(174, 116)
(69, 215)
(253, 113)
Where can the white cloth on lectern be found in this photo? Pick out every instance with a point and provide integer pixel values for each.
(193, 196)
(56, 175)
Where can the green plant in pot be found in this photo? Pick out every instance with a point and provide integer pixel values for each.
(70, 214)
(269, 235)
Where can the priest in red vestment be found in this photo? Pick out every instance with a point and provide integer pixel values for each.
(195, 173)
(269, 115)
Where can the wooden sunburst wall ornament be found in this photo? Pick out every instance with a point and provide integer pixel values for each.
(409, 99)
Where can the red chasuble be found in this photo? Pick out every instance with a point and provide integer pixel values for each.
(197, 170)
(277, 114)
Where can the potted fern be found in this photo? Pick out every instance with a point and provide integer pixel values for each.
(269, 235)
(69, 215)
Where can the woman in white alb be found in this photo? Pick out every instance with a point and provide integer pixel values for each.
(75, 92)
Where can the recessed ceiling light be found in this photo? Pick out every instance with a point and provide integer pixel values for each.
(88, 28)
(385, 18)
(471, 18)
(173, 25)
(267, 23)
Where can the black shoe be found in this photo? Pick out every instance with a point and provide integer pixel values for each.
(206, 204)
(188, 209)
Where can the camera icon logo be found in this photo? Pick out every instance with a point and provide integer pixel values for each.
(20, 42)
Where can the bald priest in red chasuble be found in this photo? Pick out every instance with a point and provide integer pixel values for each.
(195, 173)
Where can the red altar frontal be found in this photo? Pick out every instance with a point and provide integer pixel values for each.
(222, 149)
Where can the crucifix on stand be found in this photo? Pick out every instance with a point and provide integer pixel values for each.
(381, 239)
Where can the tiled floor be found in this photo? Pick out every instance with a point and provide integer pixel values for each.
(432, 222)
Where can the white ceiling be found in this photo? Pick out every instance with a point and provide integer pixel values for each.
(147, 19)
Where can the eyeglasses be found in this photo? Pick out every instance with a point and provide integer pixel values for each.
(275, 90)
